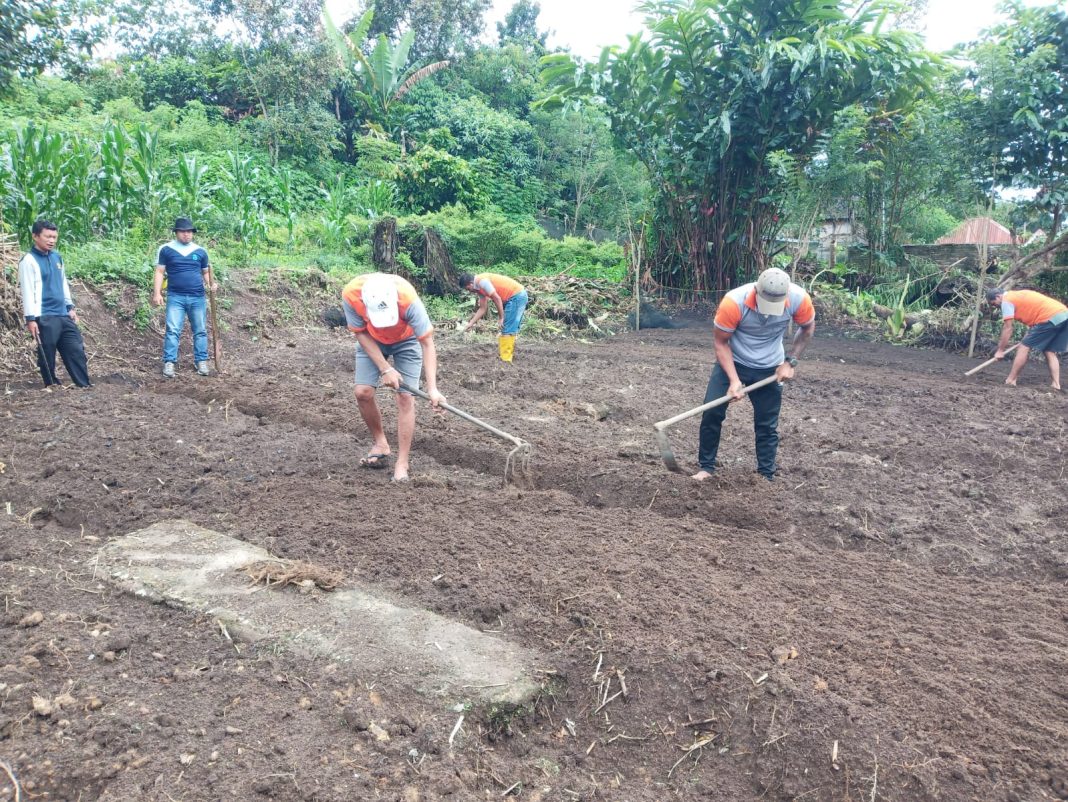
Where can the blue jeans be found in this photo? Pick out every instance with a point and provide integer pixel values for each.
(513, 313)
(178, 307)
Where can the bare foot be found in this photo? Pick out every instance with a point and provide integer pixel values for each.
(1010, 382)
(700, 476)
(400, 473)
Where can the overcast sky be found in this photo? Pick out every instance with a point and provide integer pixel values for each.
(585, 26)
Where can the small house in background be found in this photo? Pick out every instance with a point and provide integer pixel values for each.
(835, 232)
(968, 246)
(978, 231)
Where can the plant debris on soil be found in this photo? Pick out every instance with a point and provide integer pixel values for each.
(885, 621)
(293, 572)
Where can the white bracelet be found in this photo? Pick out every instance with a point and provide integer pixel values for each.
(389, 370)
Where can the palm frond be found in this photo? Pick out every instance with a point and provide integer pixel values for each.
(417, 76)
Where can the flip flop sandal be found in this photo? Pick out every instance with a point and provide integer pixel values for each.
(375, 461)
(400, 480)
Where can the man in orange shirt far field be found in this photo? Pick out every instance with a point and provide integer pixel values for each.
(510, 298)
(1047, 320)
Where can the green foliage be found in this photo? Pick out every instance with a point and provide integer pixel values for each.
(430, 179)
(502, 148)
(928, 223)
(439, 26)
(489, 240)
(377, 157)
(382, 78)
(239, 201)
(36, 34)
(717, 87)
(98, 262)
(1013, 102)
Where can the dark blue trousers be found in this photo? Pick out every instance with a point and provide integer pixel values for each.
(766, 404)
(60, 333)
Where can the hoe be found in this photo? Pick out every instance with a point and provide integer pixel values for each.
(517, 465)
(661, 428)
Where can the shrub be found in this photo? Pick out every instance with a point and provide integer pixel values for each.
(430, 179)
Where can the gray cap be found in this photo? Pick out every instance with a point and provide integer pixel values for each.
(772, 289)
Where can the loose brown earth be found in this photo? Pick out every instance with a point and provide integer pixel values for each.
(887, 621)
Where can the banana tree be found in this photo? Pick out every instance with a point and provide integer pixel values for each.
(382, 78)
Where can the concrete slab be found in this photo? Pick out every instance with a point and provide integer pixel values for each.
(192, 568)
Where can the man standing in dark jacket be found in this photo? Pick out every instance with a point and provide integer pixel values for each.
(49, 308)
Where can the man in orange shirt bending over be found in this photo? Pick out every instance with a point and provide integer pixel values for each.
(389, 321)
(1047, 319)
(749, 326)
(510, 298)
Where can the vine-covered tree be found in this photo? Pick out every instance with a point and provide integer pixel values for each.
(716, 88)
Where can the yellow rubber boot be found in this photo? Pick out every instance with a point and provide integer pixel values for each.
(506, 346)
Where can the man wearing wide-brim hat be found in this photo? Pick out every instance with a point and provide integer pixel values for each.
(188, 272)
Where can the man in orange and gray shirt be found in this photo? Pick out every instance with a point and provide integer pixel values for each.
(510, 298)
(749, 326)
(389, 321)
(1047, 320)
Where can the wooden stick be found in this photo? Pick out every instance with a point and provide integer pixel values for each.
(215, 348)
(718, 402)
(992, 360)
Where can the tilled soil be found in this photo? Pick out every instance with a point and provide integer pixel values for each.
(886, 621)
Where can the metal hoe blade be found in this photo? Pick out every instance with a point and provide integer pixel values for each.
(666, 454)
(516, 465)
(661, 427)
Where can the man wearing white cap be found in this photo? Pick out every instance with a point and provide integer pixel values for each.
(390, 322)
(749, 326)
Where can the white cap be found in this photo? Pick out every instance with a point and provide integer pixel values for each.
(772, 290)
(380, 297)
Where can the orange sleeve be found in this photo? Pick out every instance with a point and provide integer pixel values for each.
(806, 312)
(728, 315)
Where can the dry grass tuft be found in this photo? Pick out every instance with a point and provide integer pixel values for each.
(292, 572)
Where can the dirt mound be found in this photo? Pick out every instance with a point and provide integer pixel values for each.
(884, 622)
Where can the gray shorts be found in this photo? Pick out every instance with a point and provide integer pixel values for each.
(407, 357)
(1048, 336)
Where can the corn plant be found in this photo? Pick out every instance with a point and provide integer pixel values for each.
(284, 199)
(115, 195)
(336, 209)
(375, 198)
(193, 186)
(32, 161)
(239, 199)
(155, 194)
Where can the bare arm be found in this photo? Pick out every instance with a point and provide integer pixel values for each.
(479, 313)
(500, 309)
(802, 338)
(1003, 341)
(157, 286)
(430, 367)
(725, 358)
(785, 371)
